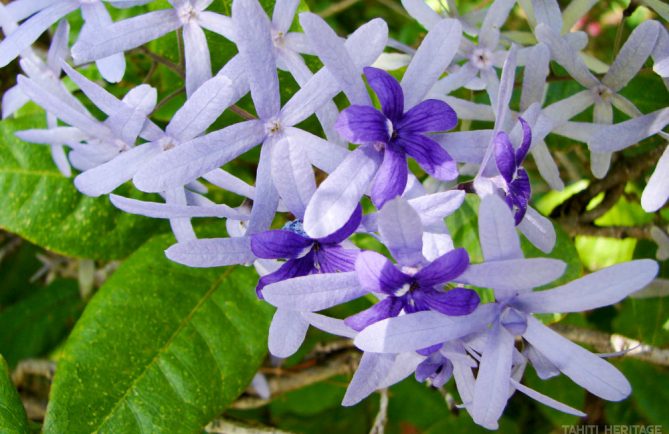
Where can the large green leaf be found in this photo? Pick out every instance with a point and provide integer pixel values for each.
(42, 206)
(160, 348)
(13, 418)
(38, 323)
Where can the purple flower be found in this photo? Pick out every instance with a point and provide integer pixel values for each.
(511, 316)
(412, 289)
(516, 183)
(397, 134)
(342, 191)
(305, 255)
(437, 368)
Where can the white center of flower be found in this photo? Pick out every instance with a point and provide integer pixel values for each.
(410, 271)
(482, 58)
(403, 290)
(602, 93)
(278, 38)
(167, 143)
(273, 127)
(121, 145)
(186, 13)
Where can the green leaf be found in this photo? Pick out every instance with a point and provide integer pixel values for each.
(44, 207)
(39, 323)
(650, 392)
(161, 348)
(13, 419)
(17, 266)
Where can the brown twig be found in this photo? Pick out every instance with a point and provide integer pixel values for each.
(618, 232)
(574, 215)
(227, 426)
(336, 8)
(607, 343)
(242, 113)
(178, 69)
(341, 364)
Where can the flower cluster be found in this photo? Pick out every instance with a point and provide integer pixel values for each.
(428, 317)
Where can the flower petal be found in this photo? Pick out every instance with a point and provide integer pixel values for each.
(387, 308)
(124, 35)
(454, 302)
(443, 269)
(430, 116)
(370, 375)
(347, 230)
(587, 370)
(539, 230)
(362, 124)
(377, 274)
(391, 178)
(632, 55)
(656, 193)
(28, 32)
(190, 160)
(402, 232)
(278, 244)
(431, 59)
(332, 52)
(602, 288)
(419, 330)
(314, 292)
(546, 400)
(170, 211)
(513, 274)
(491, 390)
(257, 52)
(624, 134)
(389, 92)
(497, 231)
(422, 13)
(504, 156)
(212, 252)
(289, 270)
(284, 14)
(286, 333)
(430, 156)
(292, 175)
(338, 196)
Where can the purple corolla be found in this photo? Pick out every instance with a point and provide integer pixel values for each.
(305, 255)
(396, 133)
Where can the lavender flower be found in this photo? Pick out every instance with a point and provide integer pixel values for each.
(625, 134)
(604, 94)
(512, 317)
(48, 74)
(338, 195)
(189, 15)
(41, 15)
(199, 156)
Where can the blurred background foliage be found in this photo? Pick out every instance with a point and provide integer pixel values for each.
(55, 258)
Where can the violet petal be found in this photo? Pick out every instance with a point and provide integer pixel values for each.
(391, 178)
(430, 155)
(431, 115)
(362, 124)
(389, 92)
(278, 244)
